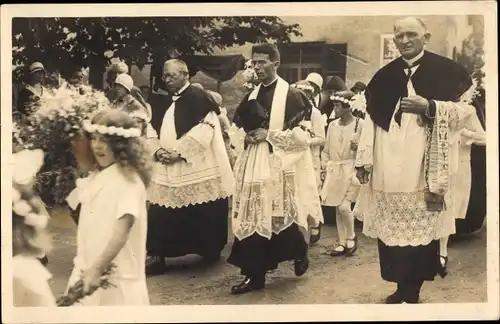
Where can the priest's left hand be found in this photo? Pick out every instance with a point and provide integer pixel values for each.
(259, 135)
(414, 105)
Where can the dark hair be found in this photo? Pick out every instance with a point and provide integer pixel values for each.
(129, 153)
(335, 84)
(268, 49)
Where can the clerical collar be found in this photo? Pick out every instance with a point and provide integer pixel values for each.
(414, 61)
(270, 83)
(178, 93)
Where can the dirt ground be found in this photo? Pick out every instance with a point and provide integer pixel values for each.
(354, 280)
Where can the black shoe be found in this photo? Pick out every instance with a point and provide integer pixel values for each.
(336, 253)
(301, 266)
(315, 238)
(350, 251)
(442, 269)
(248, 285)
(156, 266)
(395, 298)
(44, 260)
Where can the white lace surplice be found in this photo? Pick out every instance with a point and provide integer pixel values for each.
(275, 190)
(392, 204)
(207, 174)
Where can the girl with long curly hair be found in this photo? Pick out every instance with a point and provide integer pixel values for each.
(112, 220)
(29, 238)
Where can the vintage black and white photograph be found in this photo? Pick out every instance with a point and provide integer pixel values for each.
(182, 155)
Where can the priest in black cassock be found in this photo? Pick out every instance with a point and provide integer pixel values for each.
(192, 176)
(415, 105)
(275, 181)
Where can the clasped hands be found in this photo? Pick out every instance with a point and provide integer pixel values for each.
(256, 136)
(166, 157)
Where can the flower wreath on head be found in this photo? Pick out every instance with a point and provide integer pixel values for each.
(111, 130)
(26, 166)
(357, 102)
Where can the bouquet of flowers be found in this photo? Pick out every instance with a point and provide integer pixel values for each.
(250, 76)
(53, 127)
(75, 293)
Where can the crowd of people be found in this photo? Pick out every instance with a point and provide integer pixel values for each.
(165, 180)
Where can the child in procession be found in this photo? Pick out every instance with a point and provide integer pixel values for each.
(29, 238)
(341, 187)
(112, 226)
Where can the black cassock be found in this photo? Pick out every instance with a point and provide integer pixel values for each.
(198, 229)
(256, 255)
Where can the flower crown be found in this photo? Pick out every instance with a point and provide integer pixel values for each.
(357, 102)
(111, 130)
(341, 99)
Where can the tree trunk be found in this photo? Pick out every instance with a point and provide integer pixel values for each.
(97, 66)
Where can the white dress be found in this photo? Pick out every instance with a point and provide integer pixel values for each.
(318, 122)
(457, 199)
(31, 283)
(105, 197)
(338, 157)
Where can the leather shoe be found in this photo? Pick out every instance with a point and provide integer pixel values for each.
(301, 266)
(315, 238)
(349, 251)
(395, 298)
(156, 268)
(442, 269)
(248, 285)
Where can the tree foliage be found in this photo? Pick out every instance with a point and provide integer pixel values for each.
(65, 43)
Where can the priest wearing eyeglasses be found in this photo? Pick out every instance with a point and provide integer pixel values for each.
(415, 106)
(192, 176)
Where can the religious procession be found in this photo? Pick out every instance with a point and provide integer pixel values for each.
(394, 166)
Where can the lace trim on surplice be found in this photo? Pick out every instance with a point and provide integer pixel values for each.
(193, 194)
(401, 219)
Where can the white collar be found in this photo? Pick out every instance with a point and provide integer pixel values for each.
(413, 60)
(270, 83)
(178, 93)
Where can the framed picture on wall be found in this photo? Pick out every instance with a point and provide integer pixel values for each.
(388, 50)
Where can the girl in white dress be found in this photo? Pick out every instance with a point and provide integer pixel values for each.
(318, 125)
(341, 187)
(29, 239)
(112, 224)
(457, 199)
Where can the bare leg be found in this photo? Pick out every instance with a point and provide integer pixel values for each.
(443, 246)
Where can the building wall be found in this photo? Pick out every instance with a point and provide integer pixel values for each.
(362, 34)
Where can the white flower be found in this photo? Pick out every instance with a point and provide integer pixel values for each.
(16, 195)
(36, 220)
(21, 208)
(101, 129)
